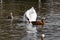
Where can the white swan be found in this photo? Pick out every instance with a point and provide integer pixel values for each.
(31, 15)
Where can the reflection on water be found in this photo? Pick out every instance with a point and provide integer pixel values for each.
(17, 30)
(11, 32)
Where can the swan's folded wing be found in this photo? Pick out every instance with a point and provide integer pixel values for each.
(31, 14)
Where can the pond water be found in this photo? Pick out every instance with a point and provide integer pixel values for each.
(16, 30)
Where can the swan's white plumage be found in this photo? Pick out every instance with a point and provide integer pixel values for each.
(31, 14)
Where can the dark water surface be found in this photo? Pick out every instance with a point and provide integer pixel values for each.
(17, 30)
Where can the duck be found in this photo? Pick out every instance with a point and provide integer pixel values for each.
(11, 16)
(39, 22)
